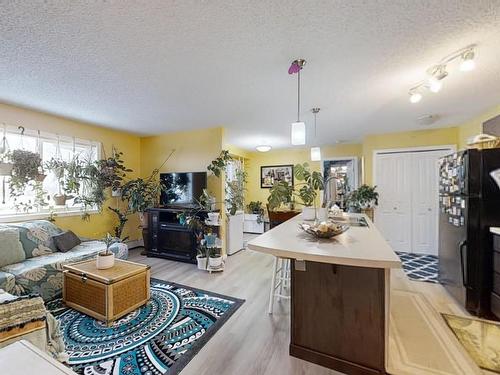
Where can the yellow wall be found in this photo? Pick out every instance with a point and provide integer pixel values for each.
(99, 223)
(194, 150)
(419, 138)
(288, 156)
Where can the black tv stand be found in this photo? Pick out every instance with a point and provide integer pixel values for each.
(169, 239)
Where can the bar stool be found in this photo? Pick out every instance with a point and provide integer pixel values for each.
(280, 281)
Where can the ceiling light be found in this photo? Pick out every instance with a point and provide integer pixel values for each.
(298, 127)
(415, 97)
(263, 148)
(435, 85)
(468, 62)
(315, 154)
(298, 133)
(315, 151)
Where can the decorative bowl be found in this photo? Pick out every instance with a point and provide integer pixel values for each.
(325, 229)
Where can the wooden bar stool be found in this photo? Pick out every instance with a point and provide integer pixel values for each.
(280, 281)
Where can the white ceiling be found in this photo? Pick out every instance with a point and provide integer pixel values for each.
(156, 66)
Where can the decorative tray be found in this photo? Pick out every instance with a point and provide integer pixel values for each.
(325, 229)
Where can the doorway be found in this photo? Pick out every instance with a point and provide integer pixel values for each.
(407, 182)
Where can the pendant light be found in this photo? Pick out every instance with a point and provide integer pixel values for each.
(315, 151)
(298, 127)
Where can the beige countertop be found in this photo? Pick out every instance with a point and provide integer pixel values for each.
(495, 230)
(358, 246)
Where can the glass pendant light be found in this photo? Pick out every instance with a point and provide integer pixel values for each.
(315, 151)
(298, 127)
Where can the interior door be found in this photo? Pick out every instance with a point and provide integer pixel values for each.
(393, 214)
(407, 214)
(425, 201)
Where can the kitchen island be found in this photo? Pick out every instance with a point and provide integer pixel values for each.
(339, 294)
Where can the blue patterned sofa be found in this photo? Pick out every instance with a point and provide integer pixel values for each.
(41, 271)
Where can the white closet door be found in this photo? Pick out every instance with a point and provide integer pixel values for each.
(393, 215)
(425, 197)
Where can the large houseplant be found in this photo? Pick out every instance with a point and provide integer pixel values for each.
(98, 177)
(235, 193)
(306, 191)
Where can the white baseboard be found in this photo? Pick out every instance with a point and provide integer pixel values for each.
(135, 243)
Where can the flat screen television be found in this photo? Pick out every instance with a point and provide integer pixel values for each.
(182, 188)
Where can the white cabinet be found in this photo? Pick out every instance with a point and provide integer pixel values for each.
(252, 224)
(235, 232)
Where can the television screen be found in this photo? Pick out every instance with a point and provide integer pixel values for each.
(183, 188)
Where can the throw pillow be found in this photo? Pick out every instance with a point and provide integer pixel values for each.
(66, 241)
(36, 237)
(11, 249)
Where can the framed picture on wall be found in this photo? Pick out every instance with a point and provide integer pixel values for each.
(274, 173)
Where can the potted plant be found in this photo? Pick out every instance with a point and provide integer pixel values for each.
(113, 171)
(281, 193)
(255, 208)
(235, 193)
(306, 190)
(201, 257)
(215, 258)
(141, 194)
(106, 259)
(68, 175)
(26, 171)
(220, 163)
(122, 220)
(363, 199)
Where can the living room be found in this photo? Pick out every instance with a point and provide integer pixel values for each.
(262, 188)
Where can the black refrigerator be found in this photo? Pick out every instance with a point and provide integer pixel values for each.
(469, 201)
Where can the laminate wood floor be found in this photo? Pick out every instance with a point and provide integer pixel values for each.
(253, 342)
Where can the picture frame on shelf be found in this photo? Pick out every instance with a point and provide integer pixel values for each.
(270, 174)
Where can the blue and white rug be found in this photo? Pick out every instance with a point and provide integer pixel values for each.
(160, 337)
(420, 267)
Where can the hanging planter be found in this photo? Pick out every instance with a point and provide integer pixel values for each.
(5, 164)
(6, 168)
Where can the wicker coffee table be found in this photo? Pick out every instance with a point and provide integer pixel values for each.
(109, 294)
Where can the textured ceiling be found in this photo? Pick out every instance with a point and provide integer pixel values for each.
(156, 66)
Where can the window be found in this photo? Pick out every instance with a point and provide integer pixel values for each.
(48, 146)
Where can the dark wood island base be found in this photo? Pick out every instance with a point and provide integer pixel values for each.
(338, 316)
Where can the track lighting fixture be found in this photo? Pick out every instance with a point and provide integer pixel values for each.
(415, 97)
(468, 62)
(437, 73)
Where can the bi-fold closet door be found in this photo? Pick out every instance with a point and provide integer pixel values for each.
(407, 214)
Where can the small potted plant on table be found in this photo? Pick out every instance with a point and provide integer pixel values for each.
(363, 200)
(106, 259)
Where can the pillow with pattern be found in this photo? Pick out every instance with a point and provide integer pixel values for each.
(36, 237)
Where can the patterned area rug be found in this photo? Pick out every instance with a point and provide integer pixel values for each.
(420, 267)
(160, 337)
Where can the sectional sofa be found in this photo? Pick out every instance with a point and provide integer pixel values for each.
(40, 271)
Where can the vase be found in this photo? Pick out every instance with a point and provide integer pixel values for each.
(59, 199)
(322, 214)
(308, 213)
(215, 262)
(202, 262)
(105, 261)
